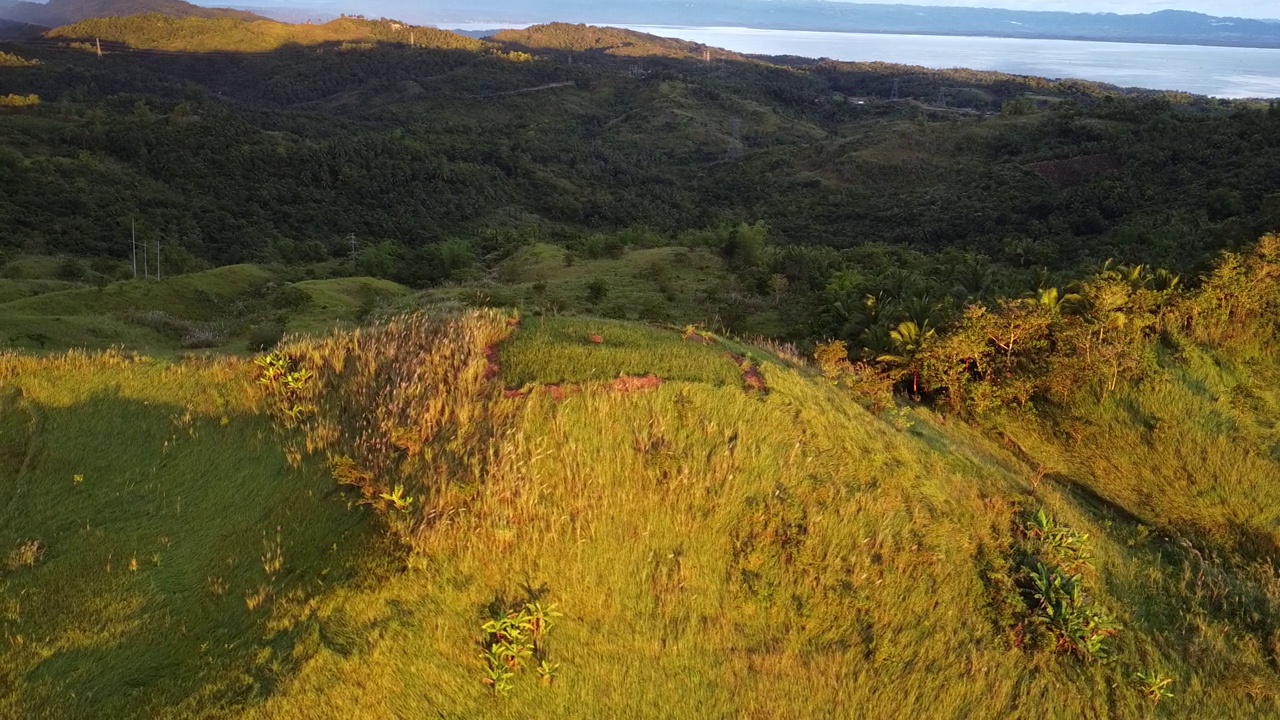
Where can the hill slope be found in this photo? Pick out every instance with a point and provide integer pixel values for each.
(62, 12)
(15, 30)
(234, 34)
(682, 525)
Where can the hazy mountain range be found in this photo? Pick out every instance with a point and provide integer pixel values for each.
(1168, 26)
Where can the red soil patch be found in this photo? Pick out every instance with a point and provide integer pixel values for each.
(751, 378)
(491, 370)
(630, 384)
(596, 340)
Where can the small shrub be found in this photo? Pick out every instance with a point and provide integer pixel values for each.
(1154, 686)
(515, 640)
(71, 270)
(10, 60)
(289, 297)
(162, 322)
(26, 555)
(1051, 561)
(264, 337)
(19, 101)
(203, 337)
(596, 291)
(869, 386)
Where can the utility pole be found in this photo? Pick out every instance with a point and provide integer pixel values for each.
(98, 42)
(157, 258)
(146, 272)
(706, 54)
(133, 227)
(894, 96)
(412, 35)
(352, 239)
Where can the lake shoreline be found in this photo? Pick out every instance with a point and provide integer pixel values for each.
(1063, 38)
(498, 26)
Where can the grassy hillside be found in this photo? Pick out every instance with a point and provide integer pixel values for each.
(1017, 480)
(52, 13)
(611, 41)
(219, 308)
(686, 526)
(226, 34)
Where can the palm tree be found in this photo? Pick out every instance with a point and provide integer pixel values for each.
(898, 283)
(972, 280)
(1165, 281)
(1056, 302)
(920, 310)
(907, 340)
(1136, 276)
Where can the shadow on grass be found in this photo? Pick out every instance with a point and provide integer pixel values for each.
(181, 559)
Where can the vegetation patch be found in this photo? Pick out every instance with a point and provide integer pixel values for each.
(558, 350)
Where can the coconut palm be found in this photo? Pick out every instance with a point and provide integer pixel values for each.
(907, 341)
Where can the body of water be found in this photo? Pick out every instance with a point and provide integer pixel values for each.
(1217, 71)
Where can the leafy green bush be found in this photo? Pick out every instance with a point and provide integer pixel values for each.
(1051, 561)
(264, 337)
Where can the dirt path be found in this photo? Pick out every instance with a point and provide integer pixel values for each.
(550, 86)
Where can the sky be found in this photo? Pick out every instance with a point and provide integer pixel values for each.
(1267, 9)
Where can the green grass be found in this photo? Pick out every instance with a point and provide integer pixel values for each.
(16, 289)
(659, 285)
(153, 536)
(715, 552)
(560, 350)
(156, 315)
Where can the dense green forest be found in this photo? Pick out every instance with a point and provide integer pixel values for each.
(844, 198)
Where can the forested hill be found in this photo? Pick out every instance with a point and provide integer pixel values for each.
(438, 152)
(613, 41)
(62, 12)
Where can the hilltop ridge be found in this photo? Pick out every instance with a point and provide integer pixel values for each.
(63, 12)
(694, 522)
(235, 34)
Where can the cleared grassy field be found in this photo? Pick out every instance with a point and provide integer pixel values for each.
(712, 551)
(667, 285)
(564, 350)
(223, 305)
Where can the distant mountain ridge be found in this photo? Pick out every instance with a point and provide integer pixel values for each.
(13, 30)
(1166, 26)
(64, 12)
